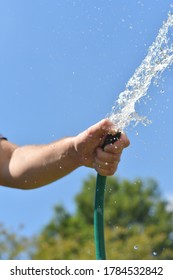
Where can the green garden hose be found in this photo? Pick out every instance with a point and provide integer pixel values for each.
(99, 207)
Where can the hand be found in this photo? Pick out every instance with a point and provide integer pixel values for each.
(88, 145)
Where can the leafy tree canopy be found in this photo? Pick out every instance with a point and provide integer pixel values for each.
(137, 224)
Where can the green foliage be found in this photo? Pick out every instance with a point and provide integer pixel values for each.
(137, 224)
(12, 246)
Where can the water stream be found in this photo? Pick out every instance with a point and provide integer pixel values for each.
(159, 57)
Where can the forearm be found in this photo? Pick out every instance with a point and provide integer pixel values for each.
(30, 167)
(34, 166)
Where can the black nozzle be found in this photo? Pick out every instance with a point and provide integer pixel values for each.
(110, 138)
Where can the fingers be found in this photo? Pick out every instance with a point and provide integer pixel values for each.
(106, 163)
(105, 168)
(107, 160)
(107, 157)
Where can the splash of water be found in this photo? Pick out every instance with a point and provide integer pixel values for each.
(159, 57)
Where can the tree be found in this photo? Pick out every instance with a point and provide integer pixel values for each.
(137, 224)
(12, 246)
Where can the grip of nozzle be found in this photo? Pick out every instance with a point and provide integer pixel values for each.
(110, 138)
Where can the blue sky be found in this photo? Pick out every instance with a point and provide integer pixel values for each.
(62, 66)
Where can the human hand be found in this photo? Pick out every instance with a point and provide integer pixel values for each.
(88, 145)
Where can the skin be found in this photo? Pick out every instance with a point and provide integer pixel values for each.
(29, 167)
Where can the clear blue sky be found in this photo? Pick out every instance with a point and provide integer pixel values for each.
(63, 64)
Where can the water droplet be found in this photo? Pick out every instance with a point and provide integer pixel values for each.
(162, 91)
(135, 247)
(136, 133)
(154, 253)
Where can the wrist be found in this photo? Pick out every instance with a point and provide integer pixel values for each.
(74, 152)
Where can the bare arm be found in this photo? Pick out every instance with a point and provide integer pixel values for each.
(32, 166)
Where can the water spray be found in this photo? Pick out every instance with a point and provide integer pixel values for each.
(99, 206)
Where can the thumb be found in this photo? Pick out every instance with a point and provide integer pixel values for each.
(100, 130)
